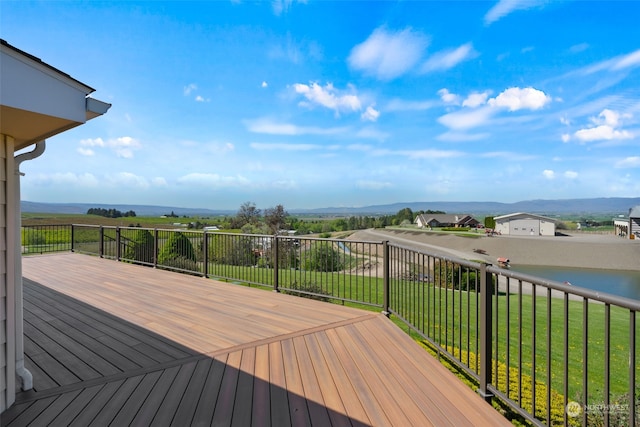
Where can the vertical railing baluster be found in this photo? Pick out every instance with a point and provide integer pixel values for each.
(205, 255)
(548, 356)
(585, 357)
(520, 343)
(533, 348)
(276, 278)
(566, 356)
(632, 368)
(607, 362)
(385, 273)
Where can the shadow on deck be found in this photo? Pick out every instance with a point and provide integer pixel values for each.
(117, 344)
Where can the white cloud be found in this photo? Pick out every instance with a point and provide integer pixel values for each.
(627, 61)
(283, 6)
(370, 114)
(604, 128)
(66, 180)
(212, 180)
(609, 118)
(449, 58)
(372, 133)
(476, 99)
(462, 137)
(429, 154)
(373, 185)
(92, 142)
(571, 174)
(122, 146)
(386, 54)
(466, 119)
(577, 48)
(617, 63)
(516, 98)
(283, 147)
(505, 7)
(448, 97)
(629, 162)
(401, 105)
(127, 180)
(565, 137)
(549, 174)
(86, 151)
(159, 181)
(189, 88)
(264, 84)
(328, 97)
(603, 132)
(267, 126)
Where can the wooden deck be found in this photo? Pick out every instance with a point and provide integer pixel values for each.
(111, 343)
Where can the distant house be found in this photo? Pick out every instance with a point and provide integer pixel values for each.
(525, 224)
(629, 226)
(445, 220)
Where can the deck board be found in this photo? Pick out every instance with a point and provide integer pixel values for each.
(115, 343)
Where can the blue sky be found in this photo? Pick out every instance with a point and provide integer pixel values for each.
(346, 103)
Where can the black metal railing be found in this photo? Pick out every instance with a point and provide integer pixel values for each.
(555, 354)
(39, 239)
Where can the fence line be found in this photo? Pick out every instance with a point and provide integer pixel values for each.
(556, 354)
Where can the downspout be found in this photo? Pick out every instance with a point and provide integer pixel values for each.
(22, 372)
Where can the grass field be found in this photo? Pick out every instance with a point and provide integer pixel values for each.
(29, 219)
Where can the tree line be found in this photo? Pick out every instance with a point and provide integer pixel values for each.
(252, 220)
(110, 213)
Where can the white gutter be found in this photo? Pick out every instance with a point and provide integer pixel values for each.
(95, 108)
(22, 372)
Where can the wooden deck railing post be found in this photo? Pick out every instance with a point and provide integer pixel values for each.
(72, 237)
(386, 268)
(276, 278)
(486, 339)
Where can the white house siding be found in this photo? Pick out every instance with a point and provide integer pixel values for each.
(5, 372)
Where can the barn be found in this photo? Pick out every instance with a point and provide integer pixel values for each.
(525, 224)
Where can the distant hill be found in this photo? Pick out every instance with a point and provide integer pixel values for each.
(596, 206)
(604, 205)
(140, 210)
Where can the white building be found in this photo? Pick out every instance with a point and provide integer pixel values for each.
(525, 224)
(629, 227)
(37, 101)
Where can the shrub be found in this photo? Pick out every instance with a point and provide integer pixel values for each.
(34, 238)
(141, 248)
(451, 276)
(323, 257)
(309, 290)
(182, 263)
(177, 247)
